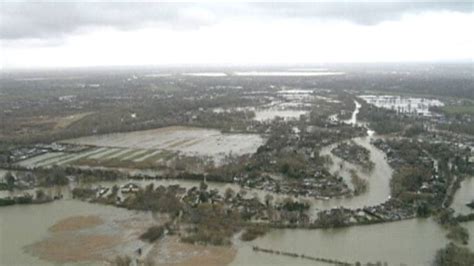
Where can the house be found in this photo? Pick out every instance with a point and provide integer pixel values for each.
(102, 191)
(130, 188)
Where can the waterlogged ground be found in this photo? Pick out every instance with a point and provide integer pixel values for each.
(170, 251)
(151, 148)
(68, 232)
(187, 140)
(292, 104)
(419, 106)
(270, 114)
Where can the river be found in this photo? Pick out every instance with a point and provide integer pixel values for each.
(378, 177)
(465, 195)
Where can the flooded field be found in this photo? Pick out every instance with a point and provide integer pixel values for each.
(58, 231)
(152, 148)
(287, 104)
(401, 104)
(290, 106)
(270, 114)
(187, 140)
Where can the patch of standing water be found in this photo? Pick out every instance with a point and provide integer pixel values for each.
(270, 114)
(401, 104)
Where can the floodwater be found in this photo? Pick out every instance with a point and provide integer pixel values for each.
(411, 242)
(463, 196)
(188, 140)
(24, 225)
(269, 114)
(378, 177)
(401, 104)
(353, 119)
(295, 103)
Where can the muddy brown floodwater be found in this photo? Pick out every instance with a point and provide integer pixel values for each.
(69, 232)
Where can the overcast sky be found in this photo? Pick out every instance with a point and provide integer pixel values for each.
(74, 34)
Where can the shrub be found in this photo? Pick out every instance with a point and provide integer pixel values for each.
(153, 233)
(83, 193)
(253, 232)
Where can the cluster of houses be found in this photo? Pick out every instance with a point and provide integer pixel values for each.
(251, 208)
(353, 153)
(390, 210)
(321, 188)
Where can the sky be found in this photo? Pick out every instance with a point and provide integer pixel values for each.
(73, 34)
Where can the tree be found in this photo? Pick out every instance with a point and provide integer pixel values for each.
(268, 199)
(203, 185)
(122, 261)
(229, 194)
(454, 255)
(40, 194)
(10, 179)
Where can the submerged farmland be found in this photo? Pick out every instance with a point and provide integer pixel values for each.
(152, 147)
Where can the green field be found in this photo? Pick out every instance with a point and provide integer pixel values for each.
(459, 109)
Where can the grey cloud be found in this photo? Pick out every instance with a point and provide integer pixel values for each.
(39, 20)
(52, 20)
(360, 12)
